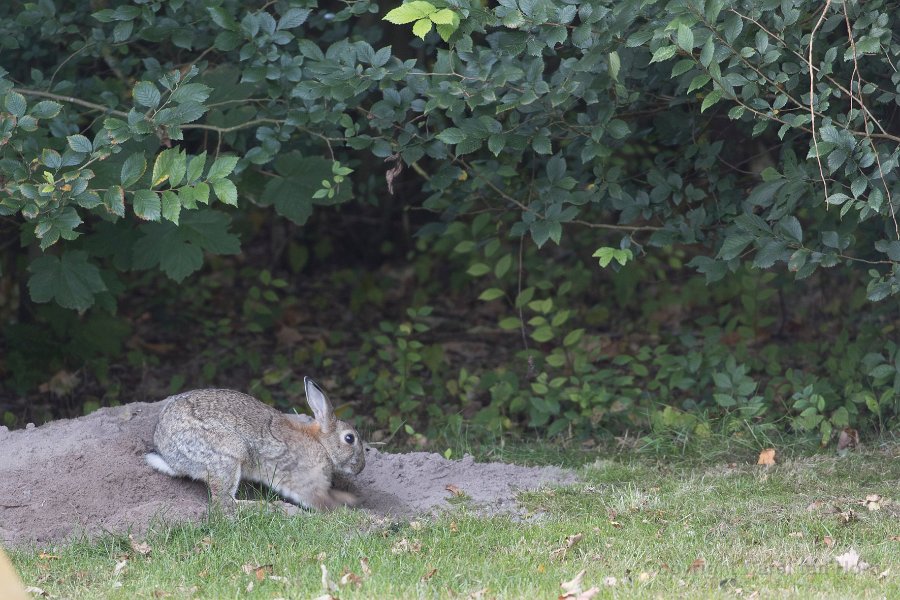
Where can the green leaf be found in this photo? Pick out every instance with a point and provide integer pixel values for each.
(443, 17)
(294, 17)
(195, 167)
(114, 200)
(15, 103)
(503, 265)
(685, 37)
(133, 169)
(698, 82)
(573, 337)
(478, 269)
(169, 165)
(711, 98)
(146, 94)
(615, 64)
(451, 135)
(421, 28)
(191, 92)
(542, 334)
(171, 206)
(510, 323)
(71, 281)
(146, 205)
(491, 294)
(222, 167)
(734, 244)
(46, 109)
(409, 12)
(663, 54)
(225, 191)
(79, 143)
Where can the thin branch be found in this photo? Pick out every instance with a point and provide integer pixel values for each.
(812, 95)
(71, 100)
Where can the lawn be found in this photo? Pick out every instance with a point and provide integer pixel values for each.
(637, 527)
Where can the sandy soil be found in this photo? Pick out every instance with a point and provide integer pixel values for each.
(88, 476)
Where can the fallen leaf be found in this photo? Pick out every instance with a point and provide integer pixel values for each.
(573, 586)
(849, 561)
(610, 581)
(119, 566)
(349, 578)
(279, 578)
(405, 545)
(478, 594)
(142, 548)
(846, 516)
(35, 591)
(848, 438)
(766, 457)
(321, 556)
(364, 565)
(697, 565)
(249, 587)
(644, 576)
(796, 534)
(828, 541)
(260, 571)
(454, 528)
(883, 574)
(814, 506)
(327, 584)
(325, 597)
(45, 556)
(571, 542)
(454, 490)
(429, 574)
(616, 524)
(416, 525)
(873, 502)
(894, 538)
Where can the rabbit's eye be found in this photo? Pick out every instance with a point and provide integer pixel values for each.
(349, 438)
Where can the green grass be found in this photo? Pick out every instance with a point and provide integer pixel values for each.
(644, 522)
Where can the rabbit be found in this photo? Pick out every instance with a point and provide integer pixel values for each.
(223, 436)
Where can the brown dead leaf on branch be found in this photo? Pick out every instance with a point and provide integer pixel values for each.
(571, 542)
(572, 589)
(766, 457)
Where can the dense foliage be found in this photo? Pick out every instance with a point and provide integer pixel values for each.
(734, 136)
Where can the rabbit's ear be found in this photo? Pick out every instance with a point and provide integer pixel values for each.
(319, 404)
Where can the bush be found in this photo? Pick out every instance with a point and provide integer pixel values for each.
(752, 135)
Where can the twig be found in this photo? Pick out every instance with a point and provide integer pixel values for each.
(812, 96)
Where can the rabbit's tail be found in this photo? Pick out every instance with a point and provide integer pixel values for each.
(156, 461)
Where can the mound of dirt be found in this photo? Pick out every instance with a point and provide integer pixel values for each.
(88, 476)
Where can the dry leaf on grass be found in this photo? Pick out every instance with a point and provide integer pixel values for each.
(350, 578)
(46, 556)
(828, 541)
(429, 574)
(796, 534)
(405, 545)
(610, 581)
(571, 542)
(35, 591)
(325, 597)
(894, 538)
(259, 571)
(142, 548)
(697, 565)
(572, 589)
(364, 565)
(849, 561)
(872, 502)
(454, 490)
(327, 584)
(120, 565)
(766, 457)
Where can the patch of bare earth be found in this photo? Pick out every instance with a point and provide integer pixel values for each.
(88, 476)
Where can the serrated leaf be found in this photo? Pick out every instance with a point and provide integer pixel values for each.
(146, 205)
(146, 94)
(15, 103)
(733, 245)
(444, 16)
(409, 12)
(132, 169)
(191, 92)
(294, 17)
(71, 280)
(225, 191)
(684, 37)
(79, 143)
(114, 200)
(46, 109)
(222, 167)
(663, 54)
(195, 167)
(421, 28)
(451, 135)
(169, 165)
(171, 206)
(710, 99)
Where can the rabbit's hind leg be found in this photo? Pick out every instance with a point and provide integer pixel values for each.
(223, 477)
